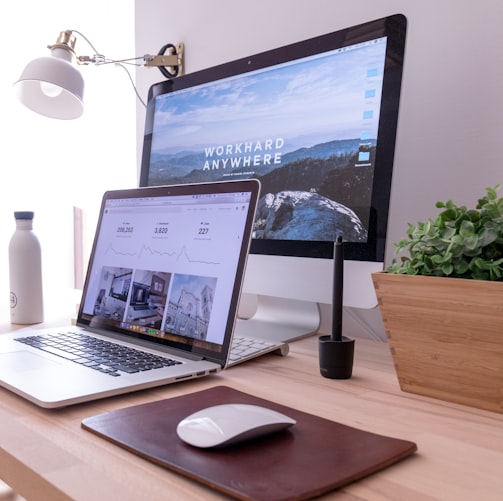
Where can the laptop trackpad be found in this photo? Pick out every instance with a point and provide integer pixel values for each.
(24, 361)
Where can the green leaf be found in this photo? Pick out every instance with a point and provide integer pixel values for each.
(448, 233)
(461, 267)
(487, 236)
(447, 269)
(474, 215)
(449, 215)
(471, 244)
(458, 242)
(467, 229)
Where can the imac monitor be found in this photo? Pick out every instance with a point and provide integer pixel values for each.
(140, 295)
(315, 122)
(120, 286)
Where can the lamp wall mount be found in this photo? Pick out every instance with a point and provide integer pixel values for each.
(163, 61)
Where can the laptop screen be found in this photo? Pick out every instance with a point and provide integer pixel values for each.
(167, 264)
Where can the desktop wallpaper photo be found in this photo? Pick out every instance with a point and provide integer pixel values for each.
(306, 129)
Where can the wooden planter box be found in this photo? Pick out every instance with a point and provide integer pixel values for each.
(445, 336)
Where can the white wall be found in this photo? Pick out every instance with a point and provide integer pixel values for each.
(451, 115)
(49, 165)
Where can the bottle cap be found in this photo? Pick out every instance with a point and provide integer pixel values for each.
(24, 215)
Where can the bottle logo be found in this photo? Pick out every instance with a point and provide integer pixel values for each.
(13, 300)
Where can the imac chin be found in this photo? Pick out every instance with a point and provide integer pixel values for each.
(315, 121)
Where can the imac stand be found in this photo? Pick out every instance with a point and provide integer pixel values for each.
(277, 319)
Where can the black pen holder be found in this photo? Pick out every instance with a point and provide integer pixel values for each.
(336, 357)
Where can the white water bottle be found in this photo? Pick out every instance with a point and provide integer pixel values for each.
(25, 272)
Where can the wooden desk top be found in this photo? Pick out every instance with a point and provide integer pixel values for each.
(44, 454)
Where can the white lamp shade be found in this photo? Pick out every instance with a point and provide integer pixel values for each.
(52, 86)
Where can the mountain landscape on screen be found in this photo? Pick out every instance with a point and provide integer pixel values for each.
(323, 183)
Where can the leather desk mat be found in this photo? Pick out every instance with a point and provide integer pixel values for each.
(311, 458)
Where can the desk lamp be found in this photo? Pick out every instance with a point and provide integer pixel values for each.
(54, 87)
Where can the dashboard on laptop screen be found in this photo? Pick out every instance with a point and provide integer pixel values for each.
(166, 266)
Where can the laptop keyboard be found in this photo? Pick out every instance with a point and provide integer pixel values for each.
(112, 358)
(246, 348)
(104, 356)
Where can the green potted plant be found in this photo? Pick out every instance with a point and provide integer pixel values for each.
(442, 304)
(459, 242)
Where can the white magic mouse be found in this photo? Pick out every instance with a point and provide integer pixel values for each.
(229, 424)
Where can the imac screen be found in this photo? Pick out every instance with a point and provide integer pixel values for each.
(314, 121)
